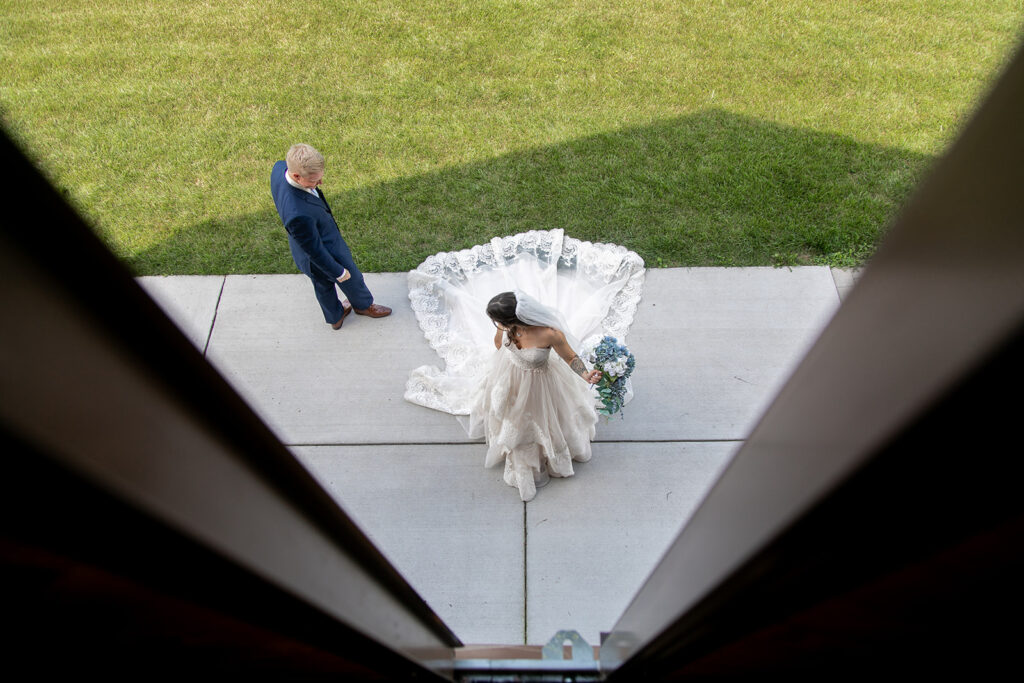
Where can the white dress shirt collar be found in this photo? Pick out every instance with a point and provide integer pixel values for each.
(293, 183)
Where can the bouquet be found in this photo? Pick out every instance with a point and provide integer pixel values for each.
(616, 363)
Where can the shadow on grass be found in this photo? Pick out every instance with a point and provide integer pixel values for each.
(711, 188)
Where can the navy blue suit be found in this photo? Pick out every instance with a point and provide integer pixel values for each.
(317, 246)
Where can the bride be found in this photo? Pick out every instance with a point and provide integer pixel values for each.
(535, 416)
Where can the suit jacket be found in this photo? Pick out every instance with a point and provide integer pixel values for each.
(313, 234)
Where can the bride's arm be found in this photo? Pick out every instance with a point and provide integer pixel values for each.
(562, 348)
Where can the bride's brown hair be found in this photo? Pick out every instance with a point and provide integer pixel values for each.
(502, 309)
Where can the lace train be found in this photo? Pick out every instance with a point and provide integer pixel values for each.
(597, 287)
(536, 416)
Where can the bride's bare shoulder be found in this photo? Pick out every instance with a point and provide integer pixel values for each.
(551, 336)
(541, 337)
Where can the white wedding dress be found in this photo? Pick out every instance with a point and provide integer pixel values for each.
(532, 410)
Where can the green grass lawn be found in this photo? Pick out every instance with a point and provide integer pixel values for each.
(696, 133)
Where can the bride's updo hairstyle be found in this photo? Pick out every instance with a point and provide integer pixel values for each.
(502, 310)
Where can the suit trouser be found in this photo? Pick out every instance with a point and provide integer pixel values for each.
(354, 288)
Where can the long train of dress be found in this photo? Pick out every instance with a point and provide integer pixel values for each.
(596, 286)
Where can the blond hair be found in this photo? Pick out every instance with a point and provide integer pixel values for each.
(304, 160)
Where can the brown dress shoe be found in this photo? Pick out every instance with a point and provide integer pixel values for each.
(375, 311)
(341, 321)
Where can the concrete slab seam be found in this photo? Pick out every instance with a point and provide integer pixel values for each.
(213, 321)
(377, 444)
(832, 274)
(526, 588)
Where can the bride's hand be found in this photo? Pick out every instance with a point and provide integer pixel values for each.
(593, 377)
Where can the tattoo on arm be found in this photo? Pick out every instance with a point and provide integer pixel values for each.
(577, 366)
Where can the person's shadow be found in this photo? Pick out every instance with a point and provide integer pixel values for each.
(670, 191)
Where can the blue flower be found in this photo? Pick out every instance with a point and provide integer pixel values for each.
(616, 364)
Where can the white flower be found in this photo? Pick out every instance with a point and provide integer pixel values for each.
(616, 367)
(589, 350)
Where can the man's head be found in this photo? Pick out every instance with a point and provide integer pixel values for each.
(305, 165)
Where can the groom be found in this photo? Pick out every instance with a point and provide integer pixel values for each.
(316, 243)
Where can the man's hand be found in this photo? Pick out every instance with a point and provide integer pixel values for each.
(344, 276)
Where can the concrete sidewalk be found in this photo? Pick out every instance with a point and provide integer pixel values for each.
(713, 345)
